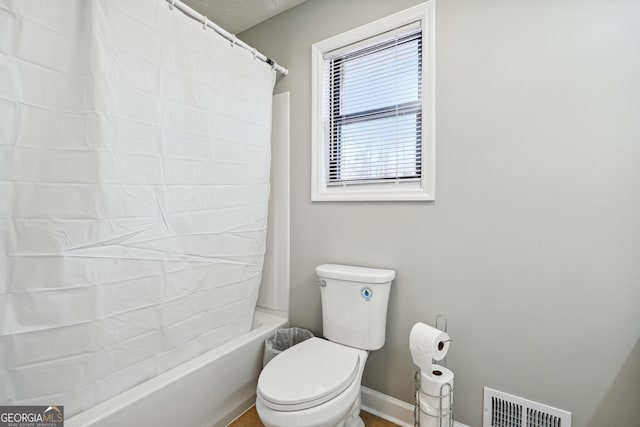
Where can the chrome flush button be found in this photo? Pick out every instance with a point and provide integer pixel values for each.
(366, 293)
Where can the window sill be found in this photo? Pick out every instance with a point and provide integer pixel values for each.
(372, 194)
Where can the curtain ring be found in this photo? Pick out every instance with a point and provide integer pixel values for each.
(233, 40)
(172, 4)
(274, 65)
(255, 52)
(204, 23)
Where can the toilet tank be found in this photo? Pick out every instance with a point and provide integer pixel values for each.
(354, 304)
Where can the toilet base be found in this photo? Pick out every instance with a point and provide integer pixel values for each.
(358, 423)
(353, 419)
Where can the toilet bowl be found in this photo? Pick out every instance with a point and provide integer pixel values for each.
(317, 383)
(313, 384)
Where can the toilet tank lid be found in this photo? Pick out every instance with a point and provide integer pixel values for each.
(355, 274)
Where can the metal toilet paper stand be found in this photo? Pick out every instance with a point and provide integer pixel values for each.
(446, 392)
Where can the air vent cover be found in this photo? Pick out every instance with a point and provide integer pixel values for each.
(505, 410)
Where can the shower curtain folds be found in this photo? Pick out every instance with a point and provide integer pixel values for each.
(134, 183)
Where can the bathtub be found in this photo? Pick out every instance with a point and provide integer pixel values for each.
(210, 390)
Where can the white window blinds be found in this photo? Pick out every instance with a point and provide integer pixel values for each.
(372, 110)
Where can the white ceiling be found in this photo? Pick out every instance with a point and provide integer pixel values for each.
(236, 16)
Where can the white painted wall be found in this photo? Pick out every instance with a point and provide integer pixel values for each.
(532, 248)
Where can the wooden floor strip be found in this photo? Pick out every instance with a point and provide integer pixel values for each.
(251, 419)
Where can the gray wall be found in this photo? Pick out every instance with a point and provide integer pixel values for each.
(532, 248)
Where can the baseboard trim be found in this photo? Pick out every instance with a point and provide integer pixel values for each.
(390, 408)
(387, 407)
(237, 412)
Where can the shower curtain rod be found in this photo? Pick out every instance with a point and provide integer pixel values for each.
(231, 37)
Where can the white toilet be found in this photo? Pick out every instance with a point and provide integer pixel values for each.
(317, 382)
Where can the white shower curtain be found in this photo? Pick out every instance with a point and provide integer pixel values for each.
(134, 182)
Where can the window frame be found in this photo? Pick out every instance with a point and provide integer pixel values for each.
(409, 190)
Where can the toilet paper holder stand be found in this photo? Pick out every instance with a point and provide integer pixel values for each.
(440, 317)
(446, 391)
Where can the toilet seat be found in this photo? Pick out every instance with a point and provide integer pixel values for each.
(308, 374)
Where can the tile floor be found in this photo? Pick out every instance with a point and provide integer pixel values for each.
(250, 419)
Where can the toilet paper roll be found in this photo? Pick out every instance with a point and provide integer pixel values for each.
(433, 411)
(427, 344)
(430, 383)
(429, 403)
(427, 420)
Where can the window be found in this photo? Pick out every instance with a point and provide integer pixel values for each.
(372, 111)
